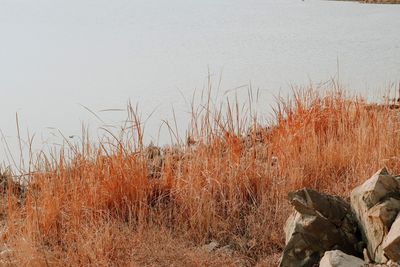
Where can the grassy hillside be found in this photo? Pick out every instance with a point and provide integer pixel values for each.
(123, 204)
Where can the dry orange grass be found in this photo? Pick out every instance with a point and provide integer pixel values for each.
(381, 1)
(99, 207)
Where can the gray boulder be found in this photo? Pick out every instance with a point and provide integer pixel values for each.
(376, 203)
(336, 258)
(319, 223)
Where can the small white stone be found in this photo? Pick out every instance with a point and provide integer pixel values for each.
(336, 258)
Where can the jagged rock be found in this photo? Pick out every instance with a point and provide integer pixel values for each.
(320, 223)
(210, 247)
(391, 245)
(375, 204)
(385, 212)
(336, 258)
(226, 250)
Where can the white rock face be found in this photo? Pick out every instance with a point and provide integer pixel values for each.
(391, 245)
(336, 258)
(376, 204)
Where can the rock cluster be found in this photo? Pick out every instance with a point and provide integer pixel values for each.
(328, 231)
(376, 204)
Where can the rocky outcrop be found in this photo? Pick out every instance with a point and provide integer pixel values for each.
(376, 204)
(327, 227)
(319, 223)
(336, 258)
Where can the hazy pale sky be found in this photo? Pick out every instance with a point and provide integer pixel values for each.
(56, 55)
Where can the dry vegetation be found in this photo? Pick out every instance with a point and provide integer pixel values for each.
(375, 1)
(381, 1)
(121, 204)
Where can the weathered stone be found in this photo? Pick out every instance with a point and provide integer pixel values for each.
(210, 247)
(155, 160)
(391, 263)
(319, 223)
(397, 179)
(367, 259)
(385, 212)
(226, 250)
(391, 245)
(375, 204)
(336, 258)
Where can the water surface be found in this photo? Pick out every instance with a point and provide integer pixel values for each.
(58, 55)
